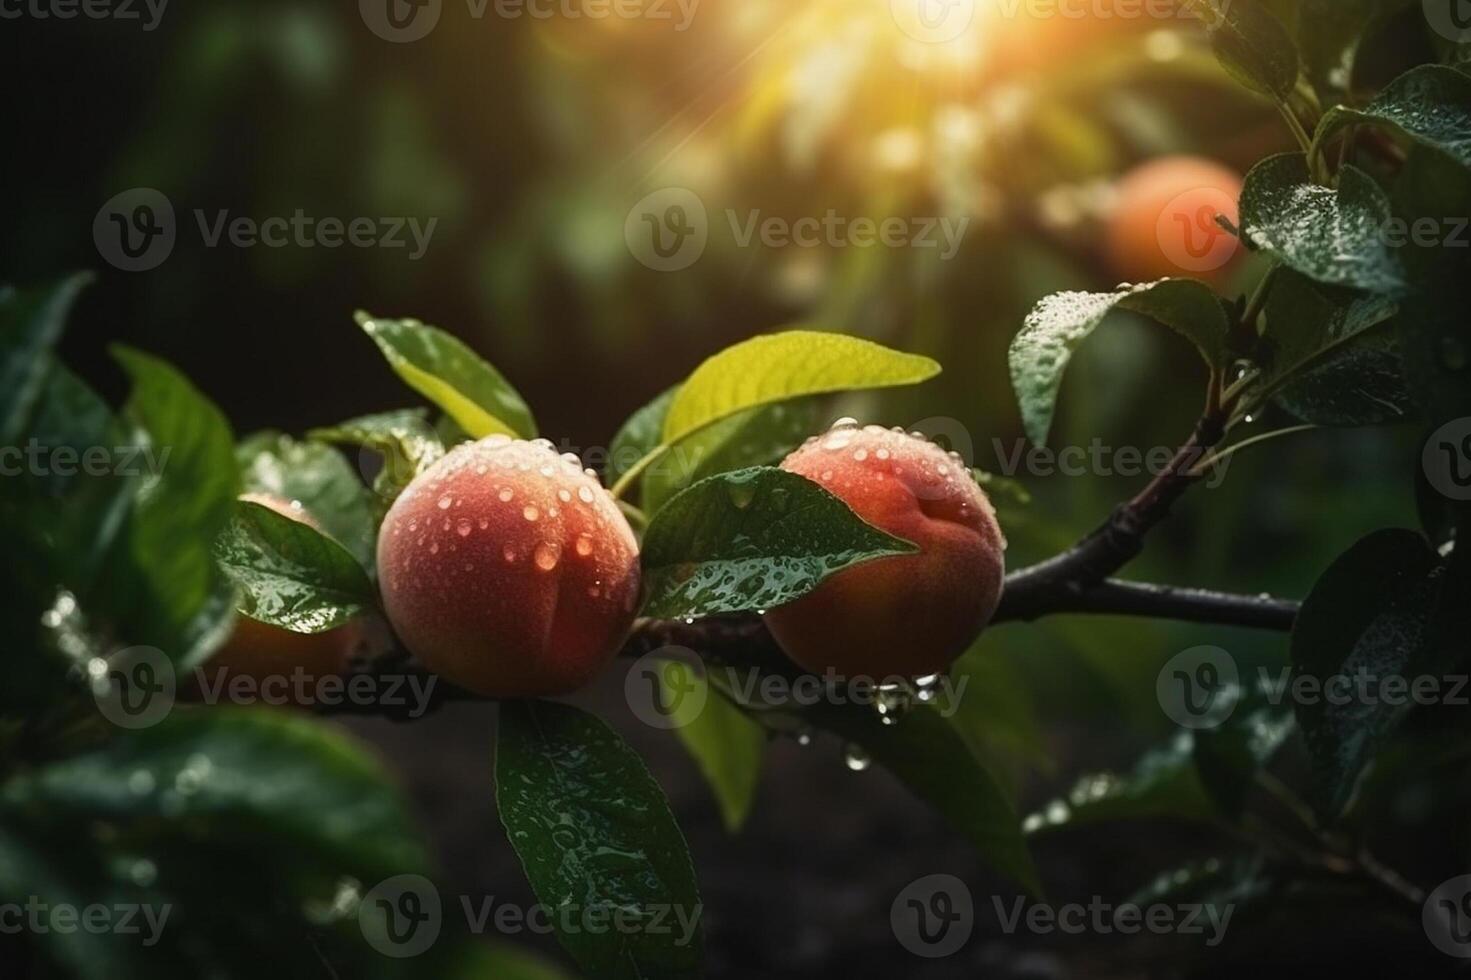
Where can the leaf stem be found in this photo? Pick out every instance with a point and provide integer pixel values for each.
(1294, 124)
(637, 470)
(1204, 465)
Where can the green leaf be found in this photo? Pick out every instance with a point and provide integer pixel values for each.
(1309, 325)
(638, 436)
(317, 477)
(725, 744)
(779, 367)
(1163, 783)
(928, 755)
(1429, 105)
(1337, 237)
(1250, 43)
(1059, 324)
(752, 540)
(1359, 383)
(1368, 613)
(1330, 33)
(1229, 756)
(290, 574)
(281, 809)
(185, 604)
(756, 437)
(596, 837)
(441, 368)
(31, 322)
(405, 440)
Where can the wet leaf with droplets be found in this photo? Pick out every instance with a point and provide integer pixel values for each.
(290, 574)
(1430, 105)
(444, 370)
(750, 540)
(596, 837)
(1060, 323)
(318, 478)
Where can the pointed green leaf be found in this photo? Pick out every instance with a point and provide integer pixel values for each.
(317, 477)
(638, 436)
(405, 440)
(926, 754)
(1368, 613)
(1060, 323)
(31, 322)
(444, 370)
(1430, 105)
(290, 574)
(750, 540)
(783, 366)
(1251, 44)
(596, 837)
(1334, 236)
(184, 603)
(723, 741)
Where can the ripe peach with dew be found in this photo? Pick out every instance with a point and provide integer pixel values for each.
(509, 569)
(263, 652)
(1164, 221)
(909, 615)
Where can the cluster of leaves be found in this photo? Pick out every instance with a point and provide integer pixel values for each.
(1347, 327)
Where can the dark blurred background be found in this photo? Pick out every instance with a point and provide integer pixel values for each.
(529, 140)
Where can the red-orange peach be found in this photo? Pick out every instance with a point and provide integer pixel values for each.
(910, 615)
(509, 569)
(262, 651)
(1164, 221)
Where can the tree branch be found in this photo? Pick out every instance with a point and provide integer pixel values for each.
(1076, 581)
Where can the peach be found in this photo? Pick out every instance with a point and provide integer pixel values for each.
(910, 615)
(1163, 223)
(262, 651)
(509, 569)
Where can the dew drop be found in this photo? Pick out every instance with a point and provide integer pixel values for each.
(434, 548)
(564, 495)
(547, 555)
(509, 553)
(856, 759)
(882, 454)
(530, 513)
(463, 529)
(484, 523)
(445, 502)
(860, 455)
(506, 494)
(584, 544)
(585, 494)
(846, 422)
